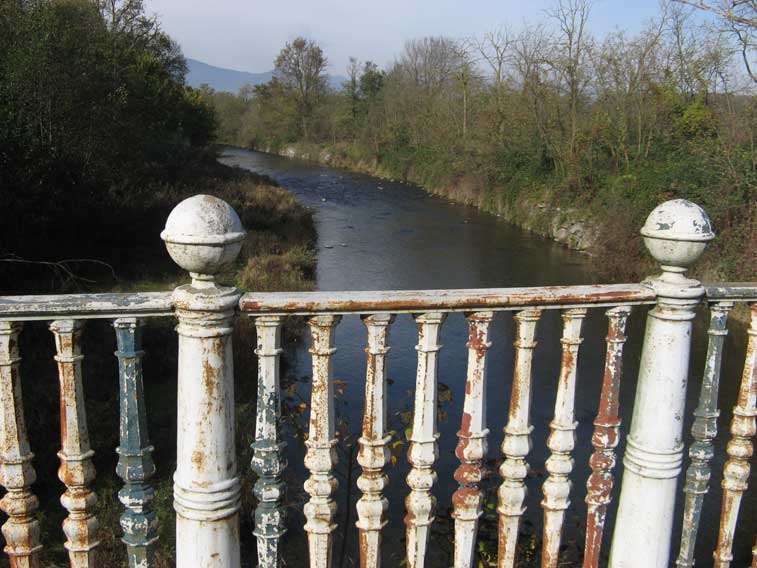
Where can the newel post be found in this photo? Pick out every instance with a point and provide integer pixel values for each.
(675, 234)
(203, 235)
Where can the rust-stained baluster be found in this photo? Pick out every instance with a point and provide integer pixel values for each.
(424, 450)
(517, 442)
(736, 471)
(605, 438)
(704, 430)
(468, 500)
(562, 440)
(21, 530)
(320, 457)
(374, 451)
(76, 470)
(268, 459)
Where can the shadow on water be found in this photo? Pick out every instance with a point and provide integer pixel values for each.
(376, 234)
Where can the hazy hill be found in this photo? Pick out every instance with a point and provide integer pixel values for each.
(231, 80)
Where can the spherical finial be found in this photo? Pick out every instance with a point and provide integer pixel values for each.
(676, 234)
(203, 235)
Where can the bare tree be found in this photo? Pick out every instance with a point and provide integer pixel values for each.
(465, 75)
(740, 18)
(572, 17)
(352, 86)
(496, 50)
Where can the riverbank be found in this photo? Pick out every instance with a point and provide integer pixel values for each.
(604, 224)
(111, 242)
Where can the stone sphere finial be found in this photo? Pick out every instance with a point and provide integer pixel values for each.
(676, 234)
(203, 235)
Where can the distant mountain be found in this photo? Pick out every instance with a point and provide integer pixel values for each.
(231, 80)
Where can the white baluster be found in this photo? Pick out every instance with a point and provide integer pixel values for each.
(424, 450)
(374, 451)
(320, 457)
(561, 441)
(517, 443)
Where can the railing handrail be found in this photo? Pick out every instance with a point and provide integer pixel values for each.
(157, 304)
(86, 306)
(450, 300)
(736, 291)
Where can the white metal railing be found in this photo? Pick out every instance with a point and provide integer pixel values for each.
(203, 235)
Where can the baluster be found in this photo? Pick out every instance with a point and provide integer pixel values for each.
(562, 440)
(76, 470)
(754, 556)
(740, 449)
(517, 442)
(374, 451)
(135, 466)
(704, 430)
(605, 438)
(423, 451)
(268, 459)
(21, 530)
(320, 456)
(468, 500)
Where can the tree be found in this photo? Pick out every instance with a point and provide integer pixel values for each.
(371, 81)
(300, 66)
(352, 87)
(572, 17)
(740, 18)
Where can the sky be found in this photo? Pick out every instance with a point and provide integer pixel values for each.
(248, 34)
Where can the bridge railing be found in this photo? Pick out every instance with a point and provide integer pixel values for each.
(203, 235)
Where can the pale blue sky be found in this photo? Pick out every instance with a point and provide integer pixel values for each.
(247, 34)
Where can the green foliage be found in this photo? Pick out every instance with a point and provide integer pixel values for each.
(696, 120)
(92, 103)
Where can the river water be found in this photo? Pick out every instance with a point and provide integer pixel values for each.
(376, 234)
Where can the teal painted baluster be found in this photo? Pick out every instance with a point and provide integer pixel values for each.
(135, 465)
(268, 459)
(704, 430)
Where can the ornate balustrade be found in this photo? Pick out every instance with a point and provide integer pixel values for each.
(204, 235)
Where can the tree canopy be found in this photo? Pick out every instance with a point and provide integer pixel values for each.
(92, 92)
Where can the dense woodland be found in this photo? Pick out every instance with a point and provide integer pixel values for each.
(609, 126)
(94, 117)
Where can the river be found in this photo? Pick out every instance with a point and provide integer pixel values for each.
(376, 234)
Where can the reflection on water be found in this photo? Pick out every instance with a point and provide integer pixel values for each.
(374, 235)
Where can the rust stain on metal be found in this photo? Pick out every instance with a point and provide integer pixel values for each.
(471, 447)
(740, 449)
(471, 299)
(605, 438)
(76, 470)
(21, 529)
